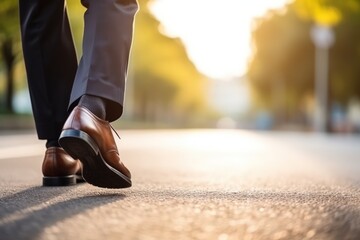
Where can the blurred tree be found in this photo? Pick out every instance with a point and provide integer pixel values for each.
(76, 17)
(166, 84)
(281, 69)
(345, 54)
(344, 17)
(10, 46)
(281, 72)
(319, 11)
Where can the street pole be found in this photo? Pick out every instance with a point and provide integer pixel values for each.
(323, 38)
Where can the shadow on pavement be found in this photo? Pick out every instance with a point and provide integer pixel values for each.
(28, 198)
(17, 223)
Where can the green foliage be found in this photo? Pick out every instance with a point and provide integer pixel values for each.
(345, 54)
(76, 16)
(167, 86)
(319, 11)
(9, 27)
(281, 72)
(9, 19)
(9, 45)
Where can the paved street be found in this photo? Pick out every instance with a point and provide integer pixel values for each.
(192, 184)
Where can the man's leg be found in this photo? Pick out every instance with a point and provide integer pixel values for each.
(51, 64)
(106, 45)
(98, 92)
(50, 61)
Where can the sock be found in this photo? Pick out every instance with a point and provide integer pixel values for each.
(52, 143)
(96, 105)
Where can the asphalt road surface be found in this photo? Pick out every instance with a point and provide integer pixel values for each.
(192, 184)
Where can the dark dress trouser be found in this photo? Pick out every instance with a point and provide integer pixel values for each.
(56, 81)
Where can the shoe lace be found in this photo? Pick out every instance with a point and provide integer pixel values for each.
(117, 134)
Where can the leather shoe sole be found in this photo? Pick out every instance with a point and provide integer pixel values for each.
(79, 145)
(59, 181)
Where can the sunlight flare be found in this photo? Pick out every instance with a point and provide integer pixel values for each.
(216, 35)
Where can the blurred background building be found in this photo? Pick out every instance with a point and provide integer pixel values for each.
(231, 64)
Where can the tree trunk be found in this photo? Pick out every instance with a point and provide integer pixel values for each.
(9, 58)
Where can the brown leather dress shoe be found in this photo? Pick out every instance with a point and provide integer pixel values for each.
(89, 139)
(59, 169)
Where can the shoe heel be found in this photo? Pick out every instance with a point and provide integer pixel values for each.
(79, 179)
(70, 138)
(59, 181)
